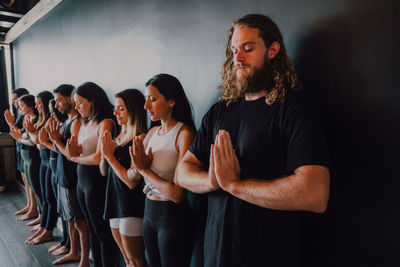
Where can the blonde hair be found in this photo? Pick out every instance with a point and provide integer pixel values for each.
(137, 121)
(128, 132)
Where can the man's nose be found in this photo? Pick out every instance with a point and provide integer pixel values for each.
(239, 56)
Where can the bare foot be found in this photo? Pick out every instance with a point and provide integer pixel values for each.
(35, 221)
(27, 216)
(84, 263)
(55, 247)
(36, 227)
(67, 258)
(22, 211)
(61, 251)
(37, 233)
(45, 236)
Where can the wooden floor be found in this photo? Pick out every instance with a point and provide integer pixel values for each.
(13, 249)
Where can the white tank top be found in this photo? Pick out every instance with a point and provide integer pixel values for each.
(165, 156)
(88, 138)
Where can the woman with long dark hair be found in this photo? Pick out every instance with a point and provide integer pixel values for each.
(29, 152)
(14, 120)
(49, 215)
(124, 198)
(83, 148)
(167, 223)
(57, 118)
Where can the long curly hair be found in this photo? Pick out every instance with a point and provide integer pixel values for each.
(281, 67)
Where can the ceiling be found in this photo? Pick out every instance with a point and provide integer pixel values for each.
(11, 11)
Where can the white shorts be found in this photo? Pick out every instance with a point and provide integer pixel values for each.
(129, 226)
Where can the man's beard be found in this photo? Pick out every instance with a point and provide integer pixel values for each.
(255, 81)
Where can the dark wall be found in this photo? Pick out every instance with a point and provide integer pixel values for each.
(350, 64)
(346, 53)
(3, 91)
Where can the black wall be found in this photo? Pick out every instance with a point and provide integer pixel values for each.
(349, 63)
(346, 53)
(3, 91)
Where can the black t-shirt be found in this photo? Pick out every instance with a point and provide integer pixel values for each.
(270, 141)
(66, 170)
(120, 200)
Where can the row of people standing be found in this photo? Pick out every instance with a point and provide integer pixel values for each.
(116, 182)
(259, 155)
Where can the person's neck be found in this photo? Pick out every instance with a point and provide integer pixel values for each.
(167, 125)
(31, 115)
(72, 114)
(255, 96)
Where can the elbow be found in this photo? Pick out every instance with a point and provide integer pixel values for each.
(103, 172)
(97, 159)
(320, 208)
(131, 185)
(178, 195)
(318, 203)
(176, 199)
(179, 177)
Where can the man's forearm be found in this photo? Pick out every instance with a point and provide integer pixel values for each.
(192, 178)
(60, 146)
(294, 192)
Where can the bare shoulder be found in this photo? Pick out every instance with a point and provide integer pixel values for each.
(75, 126)
(185, 137)
(186, 132)
(106, 125)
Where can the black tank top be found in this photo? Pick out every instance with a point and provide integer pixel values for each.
(120, 200)
(66, 170)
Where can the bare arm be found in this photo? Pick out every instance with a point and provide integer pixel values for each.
(103, 166)
(44, 139)
(18, 135)
(94, 159)
(128, 176)
(307, 189)
(172, 190)
(191, 175)
(55, 136)
(26, 140)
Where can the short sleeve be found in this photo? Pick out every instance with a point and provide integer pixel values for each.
(304, 136)
(201, 144)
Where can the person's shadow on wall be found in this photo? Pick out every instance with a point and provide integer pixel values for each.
(349, 66)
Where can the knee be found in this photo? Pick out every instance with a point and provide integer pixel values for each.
(80, 226)
(133, 262)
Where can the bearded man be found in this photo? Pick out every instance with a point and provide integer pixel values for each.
(259, 153)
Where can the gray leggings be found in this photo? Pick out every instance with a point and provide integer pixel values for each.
(31, 166)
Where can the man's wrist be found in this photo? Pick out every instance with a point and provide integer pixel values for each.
(230, 187)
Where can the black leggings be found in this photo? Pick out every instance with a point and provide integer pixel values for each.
(31, 159)
(168, 233)
(198, 203)
(91, 192)
(49, 217)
